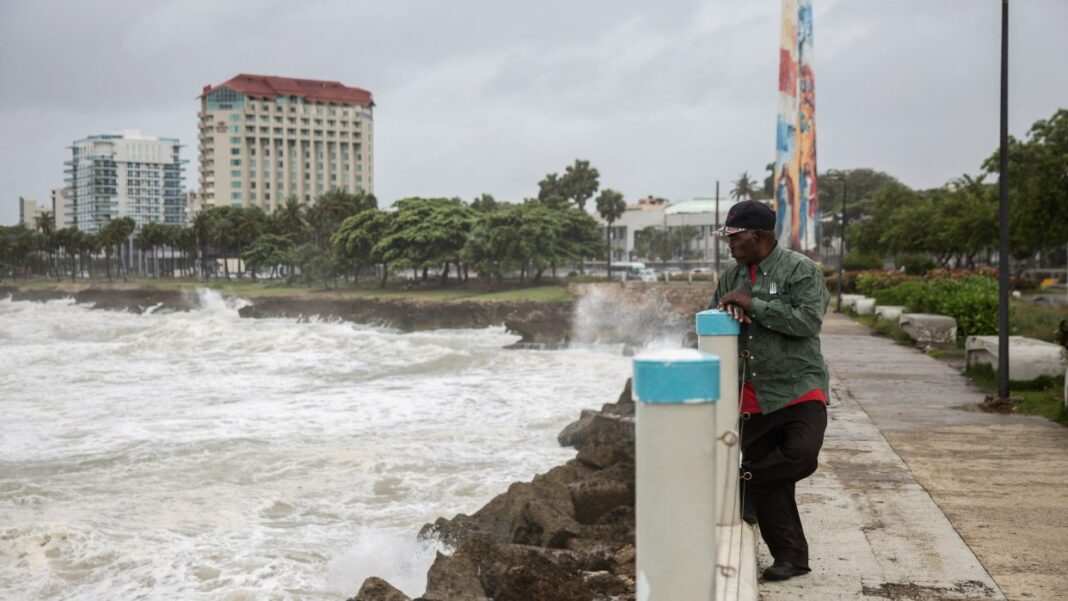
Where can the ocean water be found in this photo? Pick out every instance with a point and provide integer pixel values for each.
(203, 456)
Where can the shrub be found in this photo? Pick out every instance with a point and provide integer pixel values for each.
(868, 282)
(971, 300)
(856, 261)
(915, 264)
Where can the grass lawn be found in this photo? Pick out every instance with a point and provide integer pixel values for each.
(1043, 396)
(366, 289)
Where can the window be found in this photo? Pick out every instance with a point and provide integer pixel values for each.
(235, 117)
(235, 162)
(236, 173)
(235, 151)
(235, 129)
(235, 196)
(252, 163)
(235, 140)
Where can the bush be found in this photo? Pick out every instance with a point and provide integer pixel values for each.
(868, 282)
(855, 261)
(915, 264)
(971, 300)
(901, 294)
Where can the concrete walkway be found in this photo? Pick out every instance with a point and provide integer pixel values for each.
(920, 496)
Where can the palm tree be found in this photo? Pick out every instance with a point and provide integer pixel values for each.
(46, 224)
(610, 206)
(288, 220)
(203, 227)
(744, 187)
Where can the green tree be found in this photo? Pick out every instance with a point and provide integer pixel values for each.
(356, 239)
(610, 206)
(426, 232)
(485, 204)
(744, 187)
(1038, 188)
(267, 251)
(45, 223)
(287, 220)
(580, 182)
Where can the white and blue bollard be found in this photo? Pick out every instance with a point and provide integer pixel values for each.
(717, 333)
(676, 498)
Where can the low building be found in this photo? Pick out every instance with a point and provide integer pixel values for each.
(661, 213)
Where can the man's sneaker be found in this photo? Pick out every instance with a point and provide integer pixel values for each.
(783, 570)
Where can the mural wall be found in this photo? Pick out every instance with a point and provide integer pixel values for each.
(797, 204)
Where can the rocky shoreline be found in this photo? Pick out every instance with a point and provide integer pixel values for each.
(536, 322)
(632, 314)
(567, 535)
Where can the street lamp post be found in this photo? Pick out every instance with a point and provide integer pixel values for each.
(1003, 214)
(841, 241)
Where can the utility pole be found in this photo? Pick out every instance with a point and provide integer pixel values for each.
(1003, 214)
(841, 240)
(715, 249)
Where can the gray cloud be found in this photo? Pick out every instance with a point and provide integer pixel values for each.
(488, 96)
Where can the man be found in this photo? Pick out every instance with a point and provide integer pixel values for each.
(779, 298)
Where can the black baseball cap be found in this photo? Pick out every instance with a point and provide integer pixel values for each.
(747, 215)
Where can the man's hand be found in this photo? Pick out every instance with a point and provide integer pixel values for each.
(736, 303)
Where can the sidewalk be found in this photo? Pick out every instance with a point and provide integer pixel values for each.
(920, 496)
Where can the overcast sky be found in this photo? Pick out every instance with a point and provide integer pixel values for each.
(490, 95)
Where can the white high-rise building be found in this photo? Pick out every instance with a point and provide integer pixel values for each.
(264, 139)
(125, 174)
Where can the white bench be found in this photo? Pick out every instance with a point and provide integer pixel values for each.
(929, 329)
(864, 306)
(1029, 358)
(889, 312)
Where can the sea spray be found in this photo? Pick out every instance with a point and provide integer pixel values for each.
(637, 317)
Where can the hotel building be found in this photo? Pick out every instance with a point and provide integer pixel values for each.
(124, 174)
(264, 139)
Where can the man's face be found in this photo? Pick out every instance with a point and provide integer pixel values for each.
(745, 246)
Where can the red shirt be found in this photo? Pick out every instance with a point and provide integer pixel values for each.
(749, 400)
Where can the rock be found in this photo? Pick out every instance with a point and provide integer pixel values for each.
(541, 323)
(1029, 358)
(625, 561)
(454, 577)
(601, 455)
(604, 583)
(928, 329)
(536, 513)
(596, 425)
(376, 589)
(594, 498)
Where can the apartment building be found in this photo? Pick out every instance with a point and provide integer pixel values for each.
(28, 212)
(124, 174)
(264, 139)
(61, 208)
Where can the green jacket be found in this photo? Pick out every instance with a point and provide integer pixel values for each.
(783, 342)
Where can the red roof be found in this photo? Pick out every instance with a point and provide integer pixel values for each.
(270, 86)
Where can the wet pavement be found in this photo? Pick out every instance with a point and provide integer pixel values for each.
(920, 495)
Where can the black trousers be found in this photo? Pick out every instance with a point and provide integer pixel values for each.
(778, 450)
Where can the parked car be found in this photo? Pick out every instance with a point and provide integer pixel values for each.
(696, 270)
(672, 270)
(647, 275)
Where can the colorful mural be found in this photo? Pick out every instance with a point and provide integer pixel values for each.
(797, 204)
